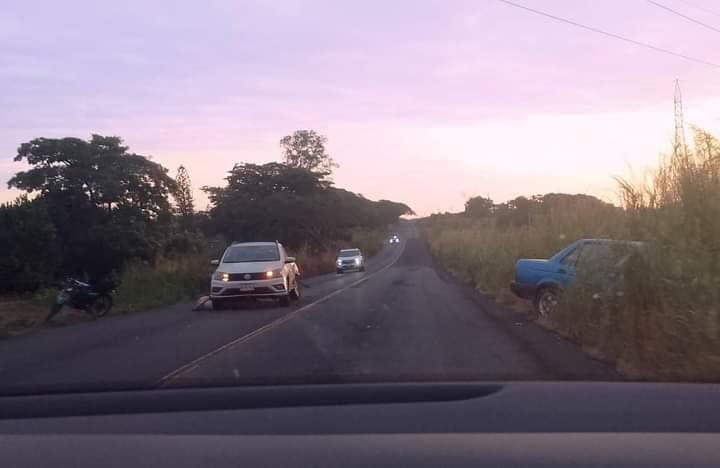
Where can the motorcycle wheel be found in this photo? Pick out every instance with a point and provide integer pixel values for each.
(55, 309)
(101, 306)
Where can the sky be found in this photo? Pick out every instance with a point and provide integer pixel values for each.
(424, 102)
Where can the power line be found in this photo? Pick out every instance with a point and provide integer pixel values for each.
(693, 20)
(609, 34)
(706, 10)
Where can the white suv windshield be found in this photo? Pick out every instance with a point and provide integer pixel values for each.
(251, 253)
(349, 253)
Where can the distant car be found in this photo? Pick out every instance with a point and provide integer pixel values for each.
(394, 239)
(349, 259)
(254, 269)
(543, 281)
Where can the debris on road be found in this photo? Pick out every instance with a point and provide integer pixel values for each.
(203, 303)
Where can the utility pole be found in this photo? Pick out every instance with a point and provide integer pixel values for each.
(680, 148)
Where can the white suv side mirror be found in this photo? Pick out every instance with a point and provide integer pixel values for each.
(289, 259)
(215, 262)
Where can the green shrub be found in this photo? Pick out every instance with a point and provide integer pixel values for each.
(168, 281)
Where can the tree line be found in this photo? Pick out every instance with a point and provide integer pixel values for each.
(520, 211)
(93, 205)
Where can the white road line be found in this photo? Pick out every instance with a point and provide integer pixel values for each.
(269, 326)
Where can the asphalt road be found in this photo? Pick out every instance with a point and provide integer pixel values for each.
(403, 319)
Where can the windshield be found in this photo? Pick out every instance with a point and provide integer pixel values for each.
(318, 192)
(349, 253)
(251, 253)
(561, 254)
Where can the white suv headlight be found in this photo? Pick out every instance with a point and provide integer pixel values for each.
(357, 261)
(221, 276)
(339, 262)
(273, 273)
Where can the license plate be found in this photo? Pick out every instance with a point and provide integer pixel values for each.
(247, 287)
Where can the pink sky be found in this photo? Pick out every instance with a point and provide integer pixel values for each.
(426, 102)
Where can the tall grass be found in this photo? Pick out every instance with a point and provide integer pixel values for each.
(673, 304)
(664, 320)
(481, 252)
(679, 210)
(167, 281)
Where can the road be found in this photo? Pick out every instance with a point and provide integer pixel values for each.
(403, 319)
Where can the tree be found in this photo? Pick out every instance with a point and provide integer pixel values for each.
(106, 205)
(479, 207)
(305, 149)
(257, 181)
(292, 204)
(100, 170)
(390, 211)
(30, 249)
(263, 201)
(520, 211)
(184, 197)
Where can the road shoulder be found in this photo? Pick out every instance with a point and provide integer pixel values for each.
(558, 355)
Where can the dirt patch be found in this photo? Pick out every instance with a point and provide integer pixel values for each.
(19, 317)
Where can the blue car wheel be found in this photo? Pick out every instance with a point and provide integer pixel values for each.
(546, 301)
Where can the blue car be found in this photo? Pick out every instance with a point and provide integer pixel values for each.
(543, 281)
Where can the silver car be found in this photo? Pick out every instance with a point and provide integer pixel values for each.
(349, 259)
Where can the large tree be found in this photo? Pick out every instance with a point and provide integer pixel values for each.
(254, 182)
(184, 197)
(264, 201)
(305, 149)
(292, 204)
(107, 205)
(101, 171)
(479, 207)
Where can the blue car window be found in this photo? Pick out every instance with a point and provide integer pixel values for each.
(571, 259)
(597, 257)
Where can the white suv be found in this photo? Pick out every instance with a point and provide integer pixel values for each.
(349, 259)
(254, 269)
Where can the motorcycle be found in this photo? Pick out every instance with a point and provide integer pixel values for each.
(96, 300)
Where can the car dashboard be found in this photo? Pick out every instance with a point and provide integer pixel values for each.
(407, 424)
